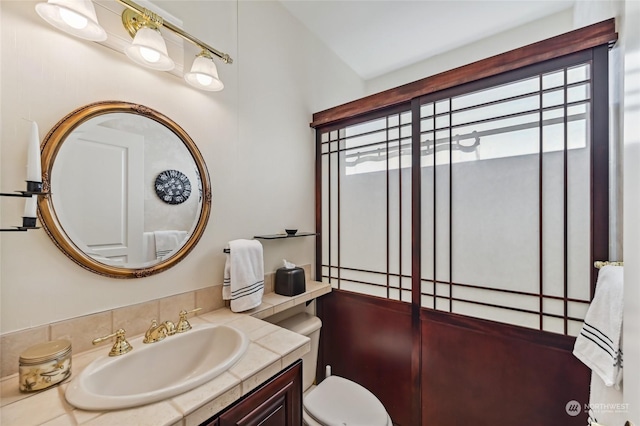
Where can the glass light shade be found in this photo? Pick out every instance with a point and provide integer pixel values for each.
(76, 17)
(204, 75)
(149, 50)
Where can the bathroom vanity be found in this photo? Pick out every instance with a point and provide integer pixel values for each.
(264, 385)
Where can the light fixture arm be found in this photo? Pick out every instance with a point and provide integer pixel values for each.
(158, 21)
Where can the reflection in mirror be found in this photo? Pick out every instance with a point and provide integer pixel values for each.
(130, 192)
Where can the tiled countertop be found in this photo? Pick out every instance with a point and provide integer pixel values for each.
(271, 349)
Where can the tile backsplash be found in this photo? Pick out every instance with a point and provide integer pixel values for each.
(135, 319)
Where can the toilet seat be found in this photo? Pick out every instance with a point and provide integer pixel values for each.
(338, 401)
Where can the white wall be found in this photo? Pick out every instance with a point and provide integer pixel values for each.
(254, 136)
(484, 48)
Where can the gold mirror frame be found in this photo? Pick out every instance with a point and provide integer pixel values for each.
(51, 146)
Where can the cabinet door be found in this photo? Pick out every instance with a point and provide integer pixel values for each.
(276, 403)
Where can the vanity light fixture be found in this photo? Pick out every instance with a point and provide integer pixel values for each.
(204, 74)
(149, 50)
(148, 47)
(76, 17)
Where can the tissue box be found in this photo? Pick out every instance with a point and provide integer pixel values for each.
(289, 281)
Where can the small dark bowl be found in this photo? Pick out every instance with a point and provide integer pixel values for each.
(291, 231)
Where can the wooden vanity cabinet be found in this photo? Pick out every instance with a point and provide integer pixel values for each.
(277, 402)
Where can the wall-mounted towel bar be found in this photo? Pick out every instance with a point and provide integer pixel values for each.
(599, 264)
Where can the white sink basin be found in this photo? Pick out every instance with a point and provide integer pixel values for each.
(156, 371)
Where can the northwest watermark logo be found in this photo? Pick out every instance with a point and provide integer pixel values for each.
(573, 408)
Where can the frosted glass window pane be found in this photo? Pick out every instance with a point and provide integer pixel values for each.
(364, 289)
(442, 106)
(333, 135)
(497, 110)
(442, 240)
(426, 124)
(579, 223)
(553, 325)
(577, 310)
(500, 139)
(579, 73)
(406, 227)
(443, 290)
(578, 93)
(367, 139)
(426, 149)
(393, 134)
(393, 120)
(493, 297)
(366, 127)
(553, 211)
(394, 221)
(394, 294)
(426, 287)
(426, 302)
(497, 314)
(443, 304)
(405, 131)
(553, 306)
(325, 209)
(427, 217)
(506, 234)
(405, 117)
(553, 79)
(426, 110)
(518, 88)
(394, 281)
(442, 121)
(553, 98)
(441, 147)
(363, 220)
(324, 137)
(377, 277)
(578, 127)
(333, 210)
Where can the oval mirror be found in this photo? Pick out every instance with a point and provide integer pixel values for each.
(129, 192)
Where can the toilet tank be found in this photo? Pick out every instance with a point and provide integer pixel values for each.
(307, 325)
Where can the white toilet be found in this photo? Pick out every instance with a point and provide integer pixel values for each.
(336, 400)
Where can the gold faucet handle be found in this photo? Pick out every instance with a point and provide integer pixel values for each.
(183, 324)
(120, 347)
(155, 333)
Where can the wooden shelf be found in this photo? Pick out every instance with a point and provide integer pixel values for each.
(277, 236)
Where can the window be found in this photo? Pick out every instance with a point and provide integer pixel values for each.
(505, 200)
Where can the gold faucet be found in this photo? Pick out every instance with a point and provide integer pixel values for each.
(157, 332)
(120, 347)
(183, 325)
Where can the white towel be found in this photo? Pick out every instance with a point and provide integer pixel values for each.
(167, 242)
(244, 275)
(599, 346)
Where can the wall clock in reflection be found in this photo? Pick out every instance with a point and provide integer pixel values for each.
(173, 187)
